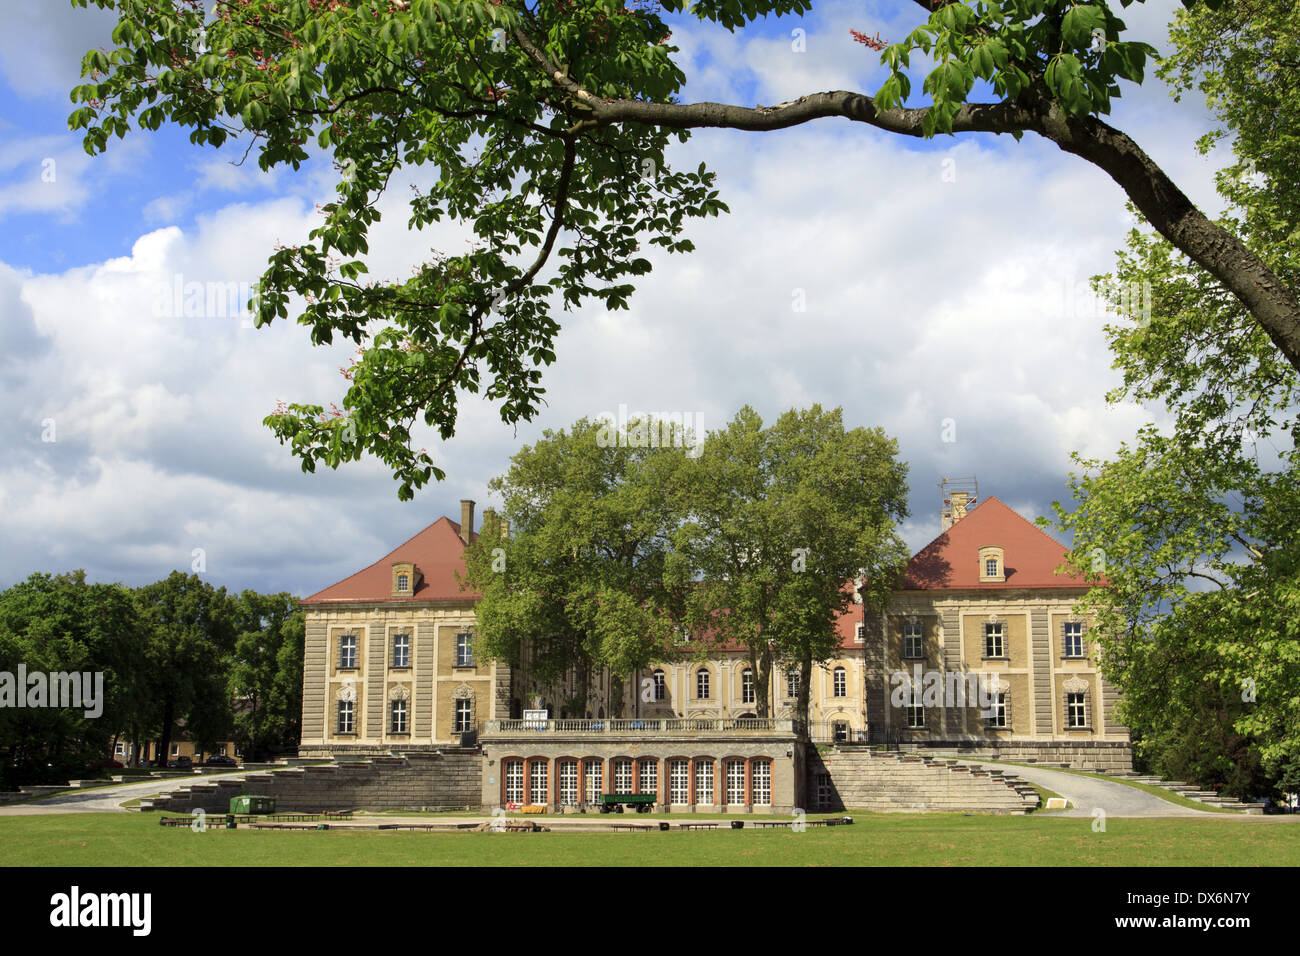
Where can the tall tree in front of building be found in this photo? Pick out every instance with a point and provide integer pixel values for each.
(1193, 526)
(778, 521)
(265, 680)
(191, 640)
(583, 582)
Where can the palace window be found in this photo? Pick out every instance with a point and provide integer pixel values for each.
(994, 641)
(464, 716)
(661, 687)
(704, 782)
(348, 650)
(622, 776)
(567, 772)
(912, 640)
(464, 649)
(996, 716)
(915, 712)
(401, 650)
(345, 724)
(860, 634)
(1076, 710)
(735, 770)
(397, 718)
(747, 686)
(513, 771)
(841, 682)
(537, 782)
(792, 683)
(763, 783)
(992, 565)
(403, 582)
(648, 776)
(1074, 639)
(840, 731)
(679, 781)
(594, 772)
(702, 684)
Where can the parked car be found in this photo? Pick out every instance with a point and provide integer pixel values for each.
(221, 761)
(104, 765)
(180, 763)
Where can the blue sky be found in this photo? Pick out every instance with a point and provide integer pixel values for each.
(159, 448)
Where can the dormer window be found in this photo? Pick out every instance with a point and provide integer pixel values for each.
(992, 568)
(405, 579)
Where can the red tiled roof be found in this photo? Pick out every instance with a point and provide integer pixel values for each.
(437, 553)
(952, 559)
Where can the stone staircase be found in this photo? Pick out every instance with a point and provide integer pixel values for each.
(1191, 792)
(893, 782)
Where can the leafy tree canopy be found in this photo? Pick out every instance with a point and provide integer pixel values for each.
(544, 127)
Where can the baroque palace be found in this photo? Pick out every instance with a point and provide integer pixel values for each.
(390, 669)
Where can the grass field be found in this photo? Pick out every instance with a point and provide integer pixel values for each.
(110, 839)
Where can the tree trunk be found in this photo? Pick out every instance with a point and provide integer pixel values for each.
(165, 740)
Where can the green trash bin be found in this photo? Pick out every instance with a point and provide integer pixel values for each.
(249, 803)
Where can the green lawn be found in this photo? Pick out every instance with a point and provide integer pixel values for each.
(875, 839)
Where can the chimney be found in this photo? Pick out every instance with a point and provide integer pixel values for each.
(505, 528)
(466, 519)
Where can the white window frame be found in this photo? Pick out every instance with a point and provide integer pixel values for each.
(398, 712)
(647, 776)
(538, 780)
(1076, 707)
(702, 687)
(747, 694)
(1073, 636)
(840, 682)
(792, 683)
(513, 772)
(735, 773)
(345, 718)
(915, 715)
(594, 771)
(624, 775)
(679, 781)
(661, 685)
(567, 778)
(463, 716)
(995, 639)
(704, 783)
(464, 648)
(913, 642)
(347, 651)
(998, 712)
(762, 783)
(402, 644)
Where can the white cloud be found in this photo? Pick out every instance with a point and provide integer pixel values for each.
(926, 299)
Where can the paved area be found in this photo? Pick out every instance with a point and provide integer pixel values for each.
(108, 799)
(1116, 799)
